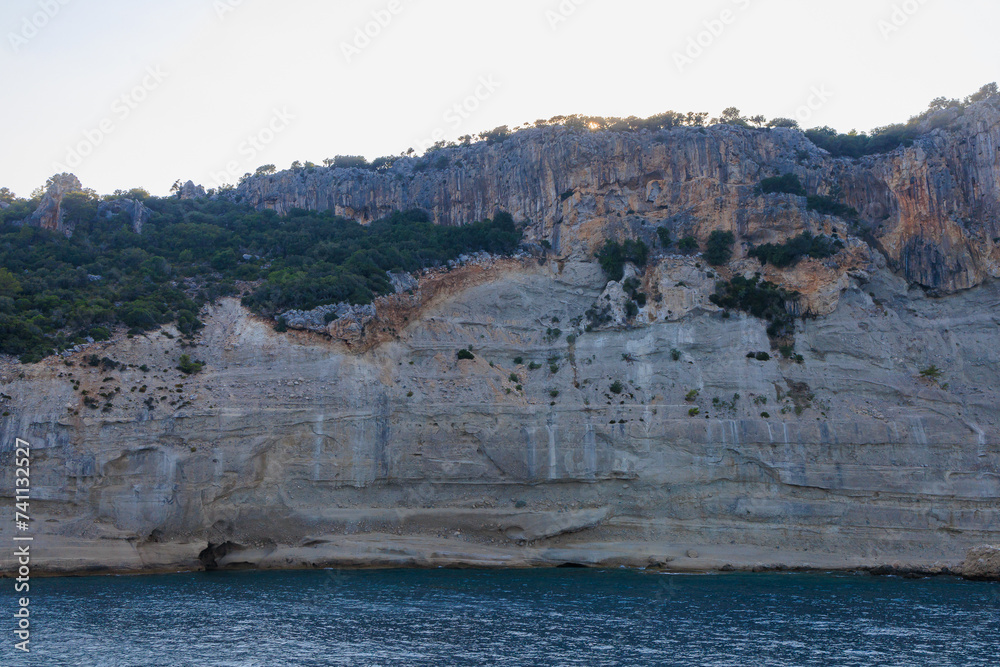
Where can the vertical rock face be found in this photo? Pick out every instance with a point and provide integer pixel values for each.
(191, 191)
(136, 211)
(49, 214)
(932, 208)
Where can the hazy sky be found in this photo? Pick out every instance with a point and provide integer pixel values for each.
(129, 93)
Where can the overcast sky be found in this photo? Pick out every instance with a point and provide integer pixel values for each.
(140, 93)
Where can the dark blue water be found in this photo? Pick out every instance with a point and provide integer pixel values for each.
(559, 617)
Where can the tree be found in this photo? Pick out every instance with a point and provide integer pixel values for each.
(266, 170)
(350, 162)
(732, 116)
(986, 92)
(7, 196)
(784, 122)
(719, 248)
(688, 244)
(664, 234)
(9, 284)
(176, 188)
(758, 120)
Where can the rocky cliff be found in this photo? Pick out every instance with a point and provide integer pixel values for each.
(932, 208)
(673, 437)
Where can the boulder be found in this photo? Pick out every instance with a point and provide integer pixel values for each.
(982, 563)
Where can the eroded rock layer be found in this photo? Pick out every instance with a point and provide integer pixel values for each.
(293, 450)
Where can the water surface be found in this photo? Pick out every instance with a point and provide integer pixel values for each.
(554, 617)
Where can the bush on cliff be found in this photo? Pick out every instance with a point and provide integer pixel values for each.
(787, 184)
(719, 248)
(791, 251)
(764, 300)
(613, 256)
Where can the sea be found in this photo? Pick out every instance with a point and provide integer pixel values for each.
(513, 617)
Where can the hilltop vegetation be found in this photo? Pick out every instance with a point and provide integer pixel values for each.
(56, 291)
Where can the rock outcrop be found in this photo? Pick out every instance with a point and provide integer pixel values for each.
(932, 208)
(138, 214)
(982, 563)
(50, 214)
(191, 191)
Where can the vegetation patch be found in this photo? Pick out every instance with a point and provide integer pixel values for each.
(56, 291)
(793, 250)
(719, 248)
(613, 256)
(763, 300)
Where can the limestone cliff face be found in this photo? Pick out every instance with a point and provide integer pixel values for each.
(49, 214)
(652, 440)
(932, 208)
(292, 450)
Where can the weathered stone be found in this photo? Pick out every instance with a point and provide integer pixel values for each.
(136, 211)
(934, 207)
(49, 214)
(982, 563)
(191, 191)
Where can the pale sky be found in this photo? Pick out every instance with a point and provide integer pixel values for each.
(140, 93)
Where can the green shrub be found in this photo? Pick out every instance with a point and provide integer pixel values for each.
(829, 206)
(763, 356)
(719, 248)
(675, 355)
(518, 361)
(787, 184)
(692, 395)
(694, 412)
(534, 366)
(931, 373)
(513, 378)
(554, 393)
(617, 387)
(465, 354)
(763, 300)
(791, 251)
(614, 255)
(688, 244)
(189, 367)
(664, 234)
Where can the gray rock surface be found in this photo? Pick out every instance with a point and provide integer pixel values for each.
(136, 211)
(291, 450)
(191, 191)
(933, 208)
(49, 214)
